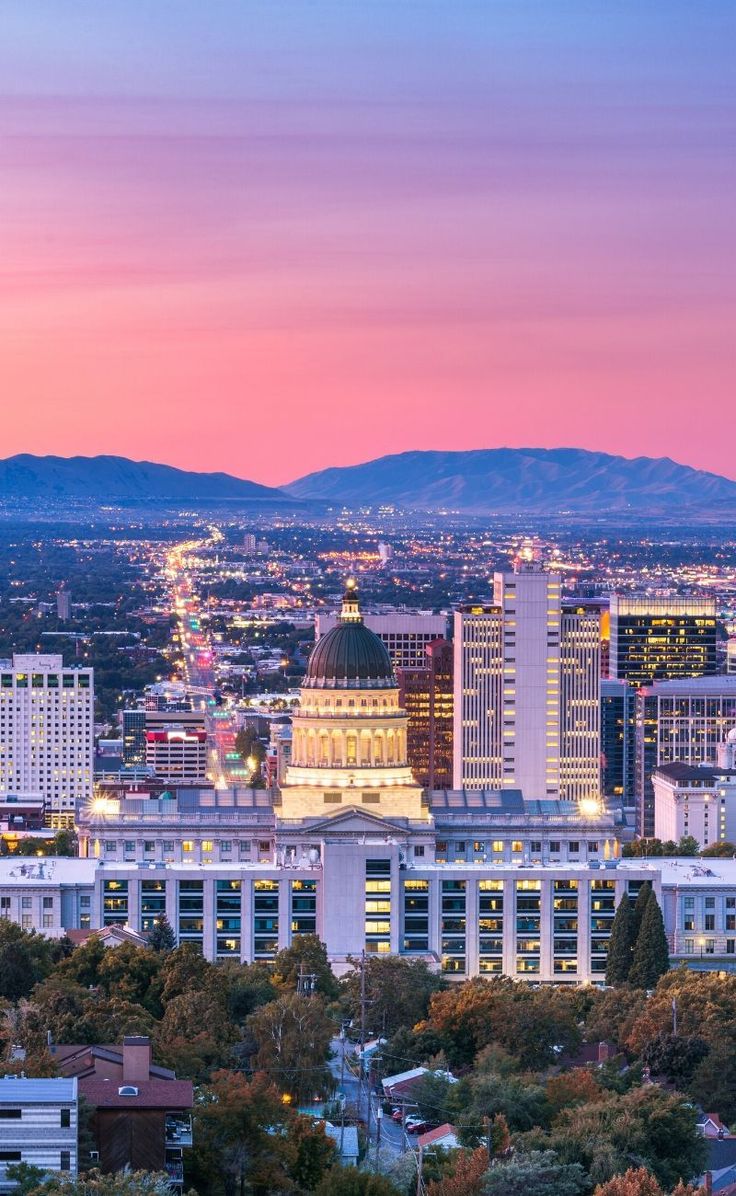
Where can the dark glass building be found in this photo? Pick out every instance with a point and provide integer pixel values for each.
(660, 639)
(427, 696)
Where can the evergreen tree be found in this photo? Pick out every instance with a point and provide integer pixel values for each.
(640, 905)
(161, 936)
(621, 944)
(651, 953)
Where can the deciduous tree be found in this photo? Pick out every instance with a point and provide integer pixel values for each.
(291, 1039)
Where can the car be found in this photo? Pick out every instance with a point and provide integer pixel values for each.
(415, 1125)
(397, 1115)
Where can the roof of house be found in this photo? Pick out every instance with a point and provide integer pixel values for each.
(70, 1053)
(122, 933)
(151, 1094)
(443, 1135)
(349, 1141)
(22, 1090)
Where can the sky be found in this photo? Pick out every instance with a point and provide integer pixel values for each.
(271, 236)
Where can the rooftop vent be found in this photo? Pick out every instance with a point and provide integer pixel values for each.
(127, 1090)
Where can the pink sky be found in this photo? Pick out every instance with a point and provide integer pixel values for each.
(340, 246)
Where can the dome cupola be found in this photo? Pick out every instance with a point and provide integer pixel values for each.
(350, 656)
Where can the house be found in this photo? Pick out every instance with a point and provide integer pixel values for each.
(400, 1086)
(109, 936)
(711, 1126)
(38, 1125)
(349, 1153)
(444, 1136)
(142, 1114)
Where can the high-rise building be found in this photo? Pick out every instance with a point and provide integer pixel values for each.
(405, 634)
(249, 542)
(47, 732)
(177, 755)
(683, 721)
(527, 691)
(134, 738)
(656, 639)
(385, 552)
(427, 696)
(63, 605)
(731, 655)
(618, 741)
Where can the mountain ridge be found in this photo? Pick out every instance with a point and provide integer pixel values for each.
(108, 477)
(483, 481)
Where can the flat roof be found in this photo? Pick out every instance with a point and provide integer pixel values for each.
(47, 870)
(21, 1090)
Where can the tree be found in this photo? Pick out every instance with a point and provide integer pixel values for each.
(651, 953)
(575, 1087)
(239, 1137)
(310, 1152)
(291, 1041)
(621, 943)
(539, 1172)
(132, 973)
(307, 955)
(25, 959)
(185, 970)
(348, 1181)
(466, 1176)
(646, 1126)
(122, 1183)
(719, 850)
(161, 936)
(195, 1035)
(675, 1056)
(613, 1014)
(398, 991)
(637, 1181)
(642, 900)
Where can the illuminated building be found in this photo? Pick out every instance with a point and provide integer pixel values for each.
(63, 605)
(134, 738)
(177, 754)
(656, 639)
(618, 741)
(427, 696)
(527, 691)
(405, 634)
(683, 721)
(47, 733)
(697, 800)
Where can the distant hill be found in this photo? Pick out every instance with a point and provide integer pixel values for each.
(524, 480)
(106, 479)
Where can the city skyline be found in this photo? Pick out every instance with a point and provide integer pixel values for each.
(389, 227)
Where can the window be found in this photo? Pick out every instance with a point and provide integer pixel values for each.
(48, 903)
(65, 1160)
(66, 1118)
(129, 846)
(710, 922)
(9, 1156)
(573, 847)
(207, 845)
(26, 903)
(149, 845)
(418, 852)
(554, 846)
(10, 1114)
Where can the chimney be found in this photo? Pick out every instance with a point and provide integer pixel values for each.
(709, 1183)
(136, 1060)
(603, 1052)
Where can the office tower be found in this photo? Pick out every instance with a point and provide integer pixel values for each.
(731, 656)
(427, 696)
(134, 738)
(47, 732)
(177, 754)
(697, 800)
(63, 605)
(527, 689)
(655, 639)
(385, 552)
(683, 721)
(618, 741)
(249, 542)
(405, 634)
(580, 707)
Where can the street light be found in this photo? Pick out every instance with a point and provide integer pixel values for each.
(702, 944)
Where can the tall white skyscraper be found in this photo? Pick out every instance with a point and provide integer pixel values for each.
(527, 691)
(47, 732)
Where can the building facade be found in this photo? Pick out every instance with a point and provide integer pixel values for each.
(683, 721)
(38, 1126)
(406, 634)
(427, 695)
(527, 691)
(654, 639)
(618, 742)
(47, 733)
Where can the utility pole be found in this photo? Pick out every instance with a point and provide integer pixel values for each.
(487, 1127)
(306, 982)
(420, 1165)
(342, 1091)
(379, 1119)
(362, 1048)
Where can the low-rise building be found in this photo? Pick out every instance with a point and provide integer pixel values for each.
(38, 1125)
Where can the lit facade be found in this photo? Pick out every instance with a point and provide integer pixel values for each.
(406, 635)
(527, 691)
(427, 695)
(661, 638)
(47, 733)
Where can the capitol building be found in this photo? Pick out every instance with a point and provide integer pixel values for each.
(349, 847)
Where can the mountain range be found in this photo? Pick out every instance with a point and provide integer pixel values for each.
(524, 480)
(481, 481)
(111, 479)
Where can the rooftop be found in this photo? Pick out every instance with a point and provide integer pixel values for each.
(21, 1090)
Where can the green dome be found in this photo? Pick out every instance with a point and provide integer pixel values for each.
(350, 656)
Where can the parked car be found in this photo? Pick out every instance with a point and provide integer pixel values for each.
(415, 1125)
